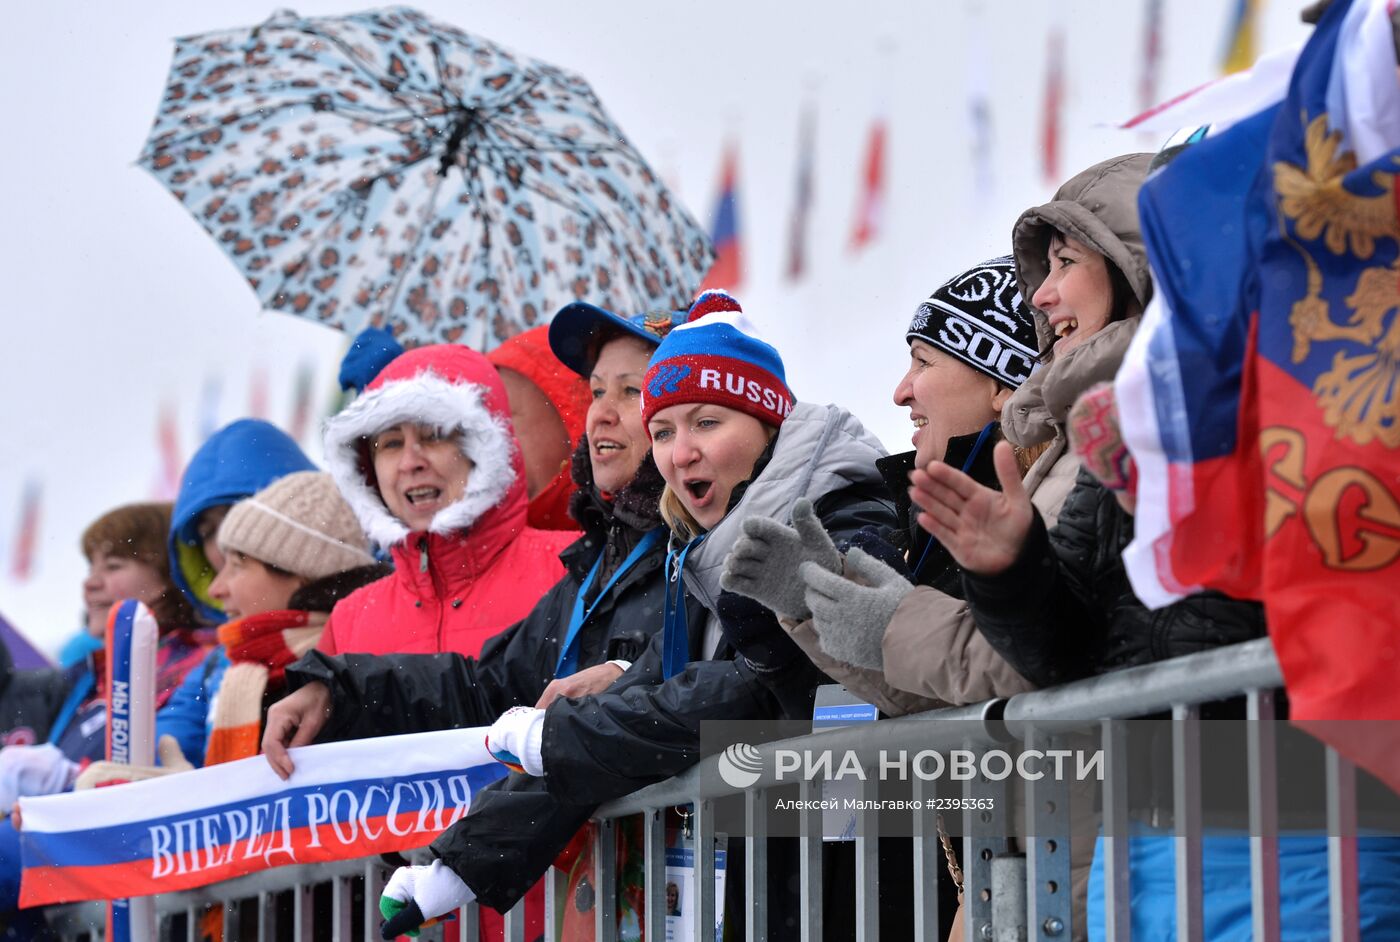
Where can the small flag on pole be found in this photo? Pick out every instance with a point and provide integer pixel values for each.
(802, 201)
(209, 407)
(301, 405)
(27, 536)
(1151, 56)
(979, 110)
(1242, 44)
(728, 269)
(168, 445)
(1054, 102)
(870, 211)
(257, 394)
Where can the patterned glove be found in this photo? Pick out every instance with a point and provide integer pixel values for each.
(1097, 438)
(763, 563)
(172, 759)
(416, 897)
(850, 617)
(26, 771)
(515, 740)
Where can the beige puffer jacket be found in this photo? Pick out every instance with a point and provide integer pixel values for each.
(933, 653)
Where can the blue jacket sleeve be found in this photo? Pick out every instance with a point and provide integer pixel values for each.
(186, 714)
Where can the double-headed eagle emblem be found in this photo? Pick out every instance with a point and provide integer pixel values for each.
(1360, 393)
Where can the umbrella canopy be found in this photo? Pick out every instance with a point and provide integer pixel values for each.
(383, 169)
(23, 654)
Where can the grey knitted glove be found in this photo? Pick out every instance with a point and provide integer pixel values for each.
(763, 563)
(849, 617)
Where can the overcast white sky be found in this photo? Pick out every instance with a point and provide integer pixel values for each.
(115, 301)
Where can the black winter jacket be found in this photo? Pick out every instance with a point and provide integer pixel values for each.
(407, 693)
(1065, 610)
(643, 729)
(29, 701)
(909, 549)
(646, 728)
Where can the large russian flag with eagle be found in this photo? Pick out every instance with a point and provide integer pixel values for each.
(1261, 397)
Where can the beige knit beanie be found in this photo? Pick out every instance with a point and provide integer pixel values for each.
(299, 524)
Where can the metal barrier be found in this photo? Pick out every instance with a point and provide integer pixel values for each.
(1020, 896)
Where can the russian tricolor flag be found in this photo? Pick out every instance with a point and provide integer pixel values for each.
(345, 800)
(1261, 396)
(728, 270)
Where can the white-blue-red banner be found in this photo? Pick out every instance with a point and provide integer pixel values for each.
(1261, 396)
(345, 800)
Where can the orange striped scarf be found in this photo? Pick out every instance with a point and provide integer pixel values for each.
(260, 647)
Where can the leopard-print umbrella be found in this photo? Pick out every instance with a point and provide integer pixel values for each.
(382, 168)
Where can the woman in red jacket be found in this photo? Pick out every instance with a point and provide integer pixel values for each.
(428, 460)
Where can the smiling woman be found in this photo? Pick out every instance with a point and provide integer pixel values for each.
(427, 459)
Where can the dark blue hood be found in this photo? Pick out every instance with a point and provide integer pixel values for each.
(237, 461)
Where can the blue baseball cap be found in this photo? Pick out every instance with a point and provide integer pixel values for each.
(575, 331)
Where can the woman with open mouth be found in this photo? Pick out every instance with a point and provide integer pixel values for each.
(731, 442)
(583, 633)
(427, 459)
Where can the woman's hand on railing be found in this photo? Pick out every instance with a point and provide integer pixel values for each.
(293, 721)
(983, 529)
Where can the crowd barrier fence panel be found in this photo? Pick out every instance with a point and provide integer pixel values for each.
(1007, 896)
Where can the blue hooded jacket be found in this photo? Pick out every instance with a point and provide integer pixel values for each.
(237, 461)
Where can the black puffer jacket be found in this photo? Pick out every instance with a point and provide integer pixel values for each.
(29, 700)
(910, 549)
(1065, 610)
(404, 693)
(646, 727)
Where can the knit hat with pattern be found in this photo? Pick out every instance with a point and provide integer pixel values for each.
(299, 524)
(980, 318)
(715, 357)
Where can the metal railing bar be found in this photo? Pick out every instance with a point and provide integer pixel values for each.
(867, 865)
(704, 895)
(1186, 801)
(469, 921)
(810, 870)
(755, 866)
(864, 740)
(267, 916)
(342, 899)
(375, 877)
(1117, 898)
(605, 882)
(555, 886)
(514, 922)
(1262, 751)
(1049, 913)
(928, 858)
(232, 924)
(1341, 848)
(1134, 691)
(303, 918)
(654, 872)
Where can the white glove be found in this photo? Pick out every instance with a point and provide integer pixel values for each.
(26, 771)
(416, 895)
(517, 738)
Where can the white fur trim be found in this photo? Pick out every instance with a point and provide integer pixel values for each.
(428, 399)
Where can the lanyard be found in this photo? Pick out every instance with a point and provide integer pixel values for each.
(568, 653)
(972, 456)
(675, 639)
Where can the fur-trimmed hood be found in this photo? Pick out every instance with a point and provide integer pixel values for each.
(453, 389)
